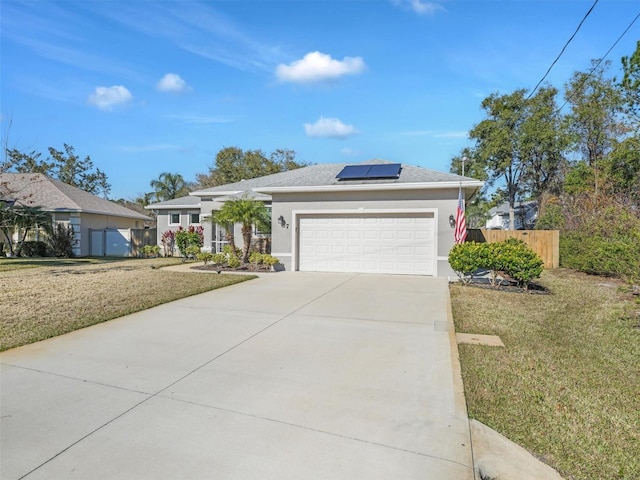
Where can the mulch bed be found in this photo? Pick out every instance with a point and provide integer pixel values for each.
(510, 287)
(248, 268)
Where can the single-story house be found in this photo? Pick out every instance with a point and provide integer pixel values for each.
(101, 227)
(375, 217)
(525, 216)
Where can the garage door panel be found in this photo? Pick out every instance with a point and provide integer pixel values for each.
(368, 244)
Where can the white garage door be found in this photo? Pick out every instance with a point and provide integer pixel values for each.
(367, 244)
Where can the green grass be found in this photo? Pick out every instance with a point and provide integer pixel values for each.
(567, 384)
(57, 297)
(10, 264)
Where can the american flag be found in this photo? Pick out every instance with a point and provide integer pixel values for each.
(460, 233)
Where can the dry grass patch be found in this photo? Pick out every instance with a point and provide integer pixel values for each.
(39, 303)
(566, 386)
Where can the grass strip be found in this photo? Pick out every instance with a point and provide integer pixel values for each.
(39, 303)
(567, 384)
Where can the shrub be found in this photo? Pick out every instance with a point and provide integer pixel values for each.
(598, 255)
(219, 259)
(233, 261)
(231, 250)
(256, 258)
(551, 218)
(269, 260)
(205, 257)
(512, 258)
(192, 237)
(34, 249)
(466, 258)
(61, 240)
(168, 239)
(493, 262)
(518, 261)
(150, 251)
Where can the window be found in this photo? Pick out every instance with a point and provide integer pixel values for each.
(194, 218)
(174, 218)
(267, 231)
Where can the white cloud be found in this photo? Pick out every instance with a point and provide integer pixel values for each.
(329, 127)
(420, 7)
(173, 83)
(317, 67)
(107, 98)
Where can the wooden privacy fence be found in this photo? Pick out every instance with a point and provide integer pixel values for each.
(546, 243)
(141, 237)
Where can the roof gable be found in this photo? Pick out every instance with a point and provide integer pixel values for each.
(36, 189)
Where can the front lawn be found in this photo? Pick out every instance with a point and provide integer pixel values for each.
(567, 384)
(59, 296)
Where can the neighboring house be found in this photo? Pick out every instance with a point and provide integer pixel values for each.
(525, 216)
(101, 227)
(392, 218)
(178, 212)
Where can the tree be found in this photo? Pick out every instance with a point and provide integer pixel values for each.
(623, 170)
(544, 144)
(247, 212)
(595, 121)
(144, 199)
(28, 162)
(519, 144)
(169, 186)
(630, 83)
(21, 219)
(65, 165)
(233, 164)
(72, 170)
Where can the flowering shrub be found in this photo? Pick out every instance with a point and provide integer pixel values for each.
(168, 240)
(191, 237)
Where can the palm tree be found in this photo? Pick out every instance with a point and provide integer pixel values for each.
(169, 186)
(247, 212)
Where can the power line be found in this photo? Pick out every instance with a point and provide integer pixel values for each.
(563, 49)
(593, 69)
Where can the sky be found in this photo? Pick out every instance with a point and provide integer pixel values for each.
(151, 86)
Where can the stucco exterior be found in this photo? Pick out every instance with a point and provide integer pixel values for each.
(317, 194)
(71, 206)
(84, 223)
(441, 203)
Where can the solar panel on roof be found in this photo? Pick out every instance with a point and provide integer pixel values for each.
(385, 170)
(354, 171)
(365, 172)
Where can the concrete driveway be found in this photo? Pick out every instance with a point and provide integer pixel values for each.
(289, 376)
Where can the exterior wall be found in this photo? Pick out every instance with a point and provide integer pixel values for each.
(209, 207)
(163, 221)
(442, 202)
(92, 221)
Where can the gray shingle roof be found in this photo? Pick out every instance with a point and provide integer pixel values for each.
(186, 201)
(36, 189)
(325, 175)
